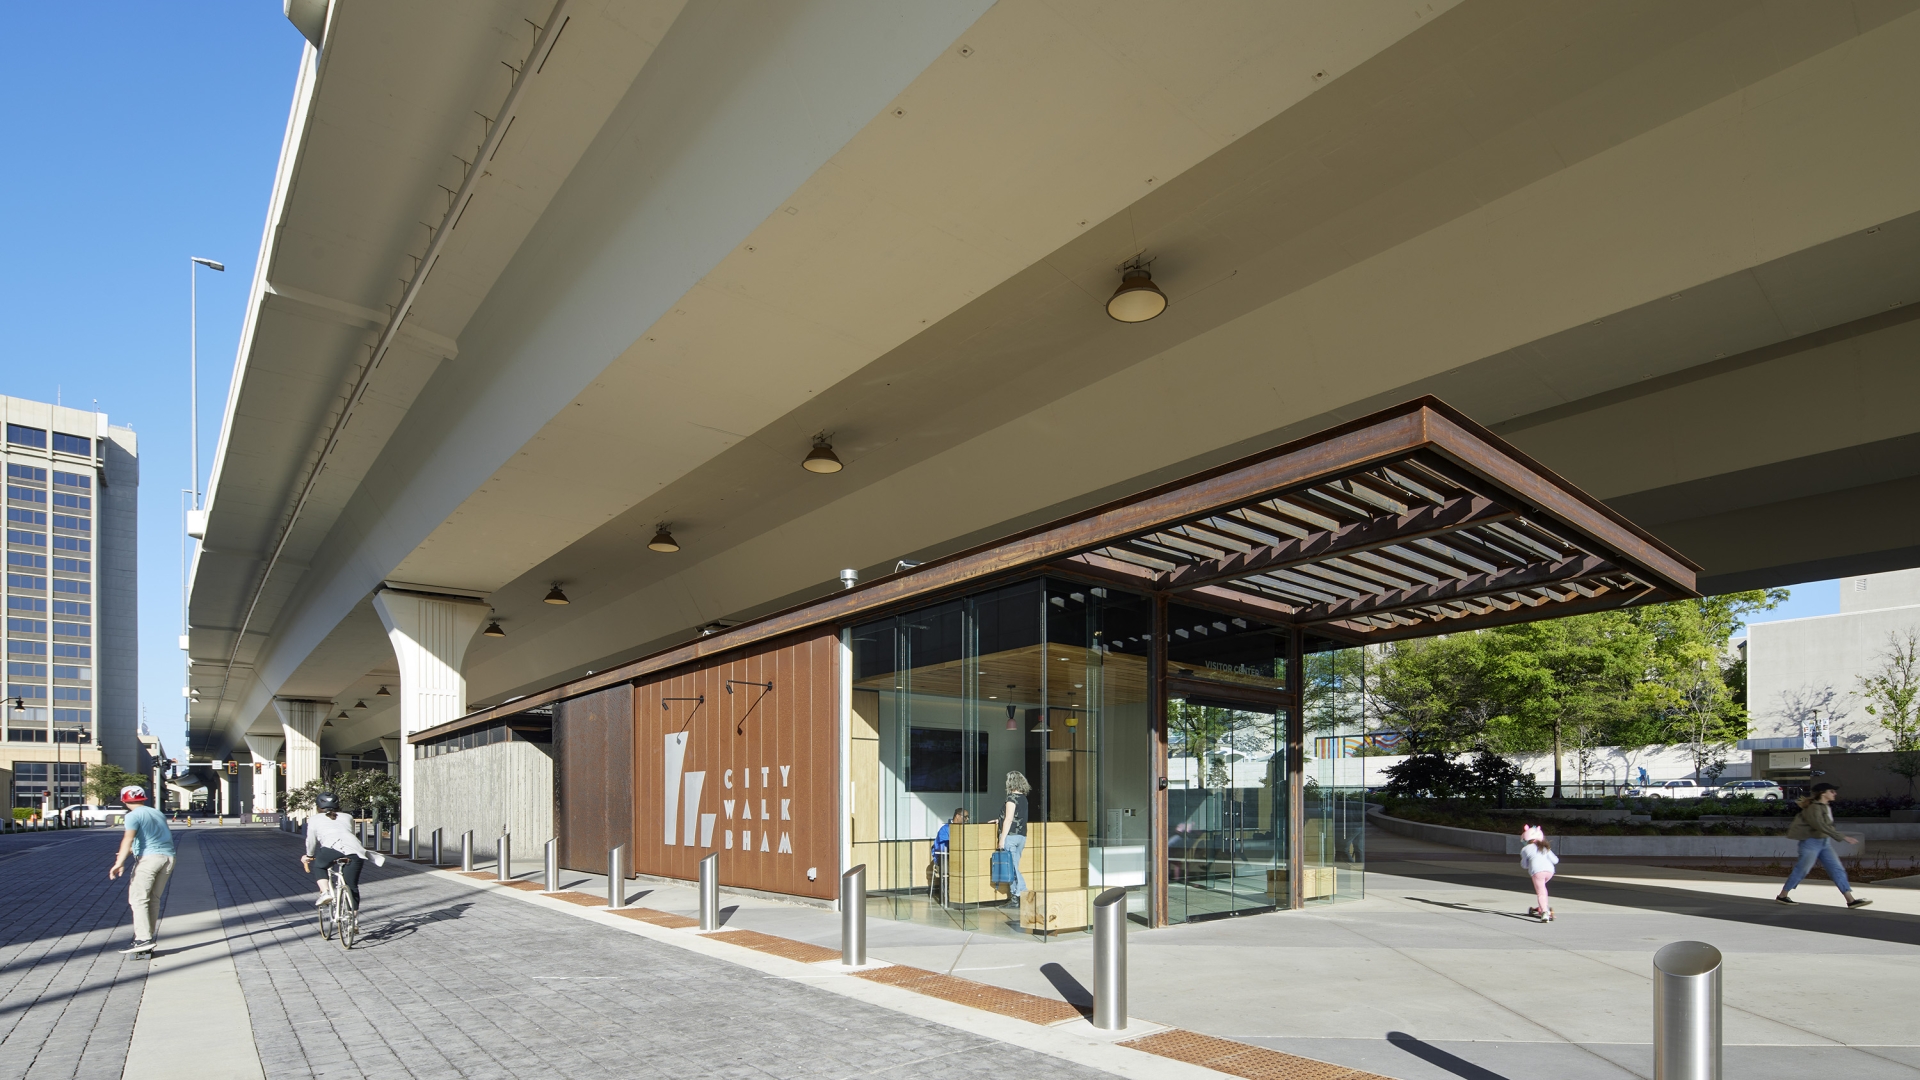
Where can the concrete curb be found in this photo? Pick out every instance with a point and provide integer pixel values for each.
(1656, 847)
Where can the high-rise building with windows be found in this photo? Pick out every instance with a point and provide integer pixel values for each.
(72, 642)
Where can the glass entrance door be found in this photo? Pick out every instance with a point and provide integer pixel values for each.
(1226, 810)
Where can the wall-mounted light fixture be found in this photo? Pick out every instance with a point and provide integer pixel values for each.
(849, 578)
(821, 459)
(555, 596)
(662, 540)
(1137, 299)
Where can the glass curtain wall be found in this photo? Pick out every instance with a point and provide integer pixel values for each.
(1045, 679)
(1333, 837)
(1227, 793)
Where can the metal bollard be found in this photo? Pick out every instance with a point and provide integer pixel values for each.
(393, 839)
(1686, 1012)
(436, 847)
(551, 881)
(413, 843)
(853, 917)
(1110, 960)
(710, 892)
(466, 852)
(503, 859)
(617, 877)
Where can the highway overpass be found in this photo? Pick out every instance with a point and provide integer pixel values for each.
(539, 281)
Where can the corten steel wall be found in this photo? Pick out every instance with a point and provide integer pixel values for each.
(504, 783)
(593, 776)
(740, 754)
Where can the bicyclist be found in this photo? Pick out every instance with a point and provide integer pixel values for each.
(330, 838)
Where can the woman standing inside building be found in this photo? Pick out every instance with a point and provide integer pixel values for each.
(1813, 827)
(1013, 828)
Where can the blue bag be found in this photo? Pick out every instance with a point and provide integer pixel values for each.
(1001, 868)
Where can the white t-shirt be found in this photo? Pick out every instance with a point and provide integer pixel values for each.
(335, 833)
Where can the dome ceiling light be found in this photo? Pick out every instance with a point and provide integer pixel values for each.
(1137, 299)
(555, 596)
(663, 540)
(821, 458)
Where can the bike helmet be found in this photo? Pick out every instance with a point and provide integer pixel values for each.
(133, 793)
(326, 800)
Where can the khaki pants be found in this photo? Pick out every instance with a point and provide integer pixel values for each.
(150, 876)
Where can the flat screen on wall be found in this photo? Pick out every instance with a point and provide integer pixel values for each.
(936, 760)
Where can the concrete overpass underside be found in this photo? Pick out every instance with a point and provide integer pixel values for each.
(1670, 251)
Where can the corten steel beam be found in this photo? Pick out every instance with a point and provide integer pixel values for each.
(1518, 577)
(1347, 540)
(1425, 427)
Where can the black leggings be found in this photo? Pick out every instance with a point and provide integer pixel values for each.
(351, 872)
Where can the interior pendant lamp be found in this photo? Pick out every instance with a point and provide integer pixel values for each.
(1137, 299)
(821, 458)
(384, 692)
(554, 596)
(360, 704)
(662, 540)
(493, 627)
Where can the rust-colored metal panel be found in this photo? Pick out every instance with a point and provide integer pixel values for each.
(593, 776)
(749, 774)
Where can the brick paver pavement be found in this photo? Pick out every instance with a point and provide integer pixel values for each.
(455, 982)
(67, 997)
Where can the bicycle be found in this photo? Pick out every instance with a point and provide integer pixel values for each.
(339, 916)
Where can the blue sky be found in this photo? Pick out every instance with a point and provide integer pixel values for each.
(141, 134)
(1804, 601)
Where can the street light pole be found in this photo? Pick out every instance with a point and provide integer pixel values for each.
(193, 360)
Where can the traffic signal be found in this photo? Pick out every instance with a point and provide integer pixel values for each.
(233, 768)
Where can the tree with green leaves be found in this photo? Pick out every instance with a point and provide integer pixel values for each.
(105, 780)
(1891, 692)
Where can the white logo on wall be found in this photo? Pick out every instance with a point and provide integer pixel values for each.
(692, 828)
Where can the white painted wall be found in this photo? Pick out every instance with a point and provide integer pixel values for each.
(1798, 669)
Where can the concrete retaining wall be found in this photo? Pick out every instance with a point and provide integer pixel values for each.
(1666, 847)
(482, 788)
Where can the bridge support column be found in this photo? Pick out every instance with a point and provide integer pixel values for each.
(265, 750)
(430, 635)
(301, 721)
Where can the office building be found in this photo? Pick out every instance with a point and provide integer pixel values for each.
(72, 607)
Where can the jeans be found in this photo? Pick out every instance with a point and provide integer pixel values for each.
(1014, 846)
(148, 882)
(1818, 850)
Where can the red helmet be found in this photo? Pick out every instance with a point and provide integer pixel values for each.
(133, 793)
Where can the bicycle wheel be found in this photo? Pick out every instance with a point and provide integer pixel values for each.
(326, 921)
(349, 919)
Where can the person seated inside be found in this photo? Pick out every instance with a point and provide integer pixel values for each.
(941, 841)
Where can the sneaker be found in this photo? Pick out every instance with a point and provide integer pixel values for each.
(323, 900)
(138, 948)
(1858, 903)
(1545, 916)
(1783, 898)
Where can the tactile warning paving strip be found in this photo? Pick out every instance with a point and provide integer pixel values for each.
(1240, 1059)
(524, 886)
(778, 946)
(480, 874)
(581, 898)
(1034, 1010)
(657, 918)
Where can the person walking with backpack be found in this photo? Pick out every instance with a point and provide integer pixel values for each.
(1538, 860)
(148, 840)
(1813, 827)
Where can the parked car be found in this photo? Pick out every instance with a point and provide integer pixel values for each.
(1752, 789)
(1670, 789)
(110, 814)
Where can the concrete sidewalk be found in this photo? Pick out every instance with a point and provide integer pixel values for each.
(1438, 974)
